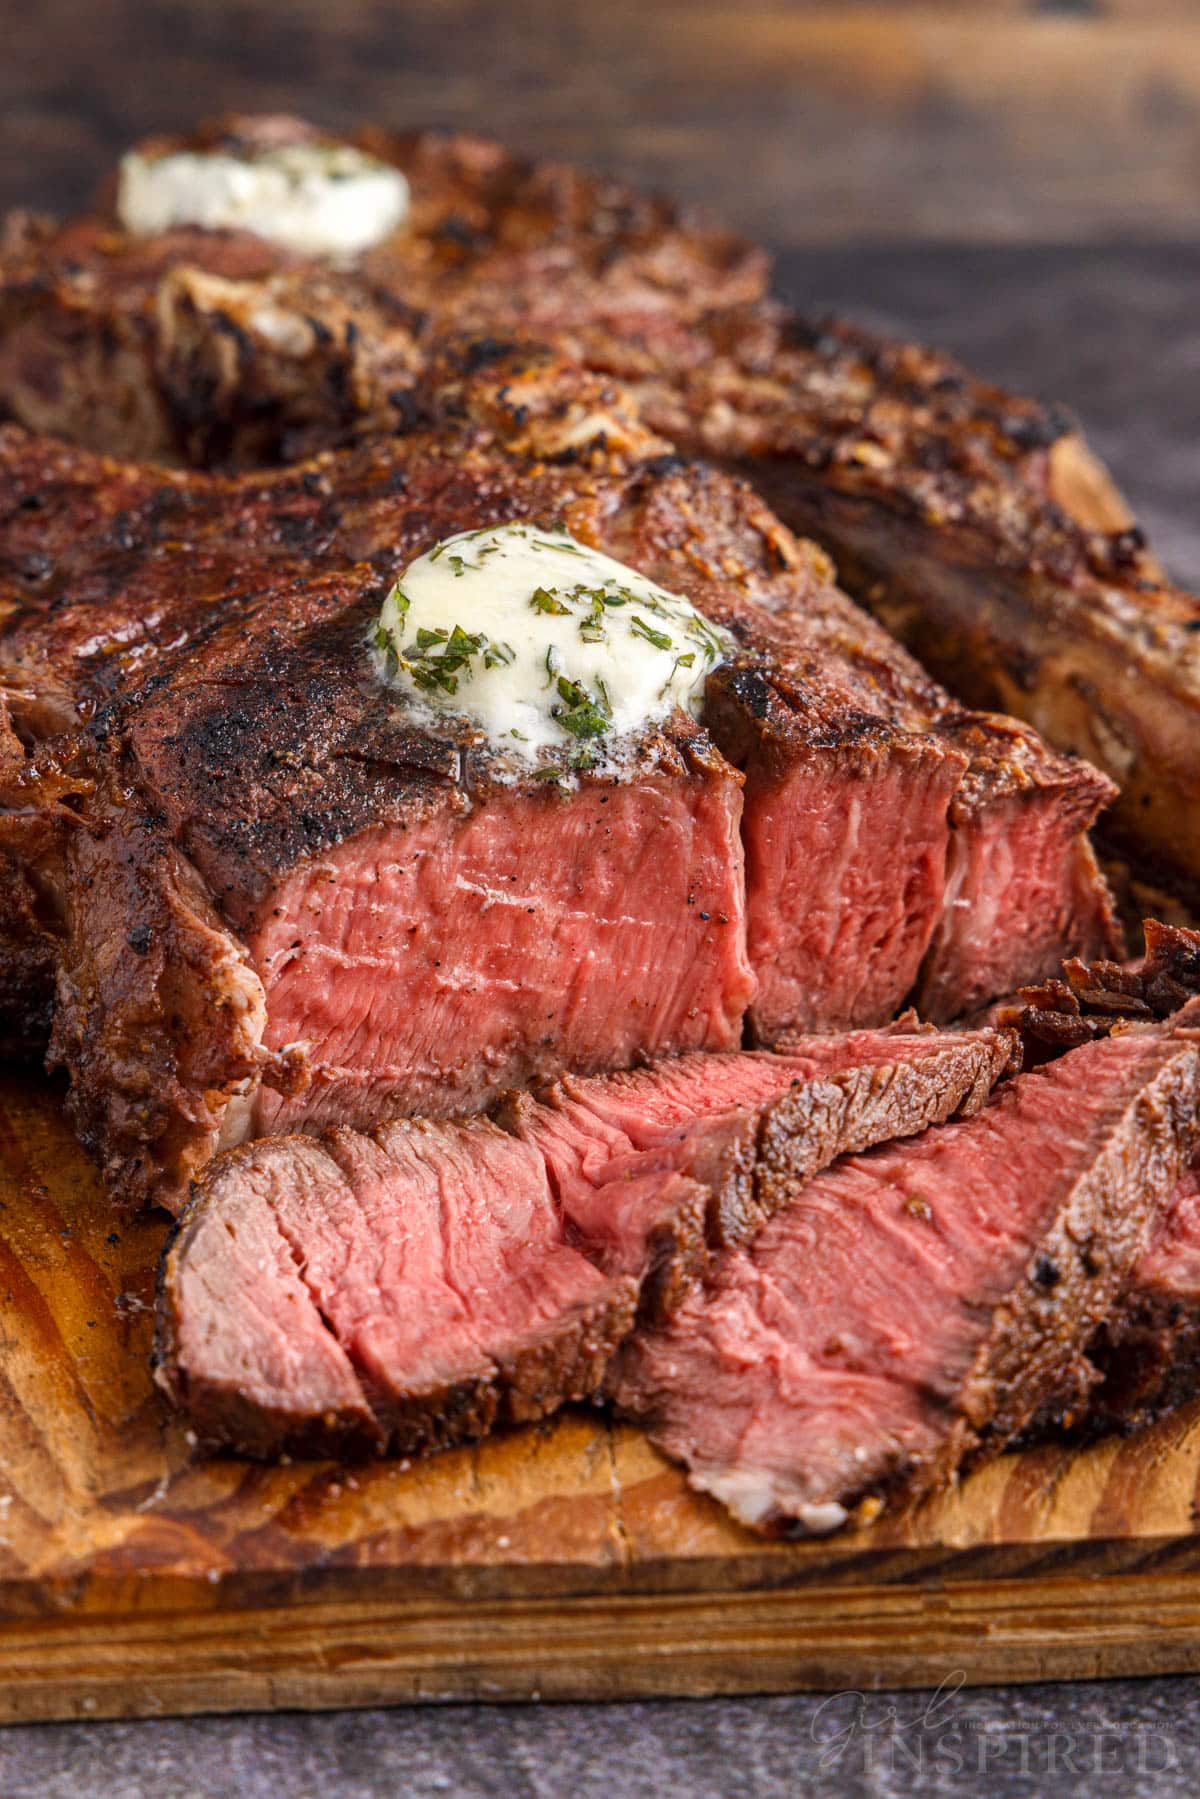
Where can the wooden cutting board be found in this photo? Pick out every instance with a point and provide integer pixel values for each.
(568, 1561)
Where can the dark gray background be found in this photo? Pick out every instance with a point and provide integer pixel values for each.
(1133, 1739)
(1115, 332)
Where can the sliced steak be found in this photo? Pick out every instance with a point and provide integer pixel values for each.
(1021, 874)
(371, 924)
(977, 528)
(414, 1285)
(411, 1288)
(917, 1304)
(629, 290)
(656, 1168)
(1145, 1358)
(974, 521)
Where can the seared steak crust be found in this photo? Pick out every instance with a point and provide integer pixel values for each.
(974, 525)
(216, 555)
(1145, 1358)
(1093, 998)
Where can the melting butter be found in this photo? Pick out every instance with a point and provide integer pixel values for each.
(543, 643)
(316, 199)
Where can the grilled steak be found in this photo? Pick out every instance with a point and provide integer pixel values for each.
(1146, 1355)
(371, 918)
(916, 1305)
(976, 522)
(216, 347)
(212, 627)
(413, 1286)
(867, 790)
(976, 528)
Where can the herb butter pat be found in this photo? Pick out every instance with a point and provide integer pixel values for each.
(316, 199)
(543, 643)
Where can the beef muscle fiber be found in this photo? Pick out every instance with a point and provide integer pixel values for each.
(919, 1303)
(1145, 1358)
(413, 1285)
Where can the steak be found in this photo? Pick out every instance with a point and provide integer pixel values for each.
(656, 1168)
(211, 629)
(227, 350)
(858, 799)
(915, 1306)
(1146, 1355)
(412, 1286)
(977, 528)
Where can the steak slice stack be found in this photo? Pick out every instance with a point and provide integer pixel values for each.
(414, 1285)
(918, 1304)
(261, 835)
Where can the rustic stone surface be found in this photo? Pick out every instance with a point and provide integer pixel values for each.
(1139, 1739)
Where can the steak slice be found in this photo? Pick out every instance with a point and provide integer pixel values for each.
(917, 1305)
(656, 1168)
(408, 1288)
(1145, 1358)
(412, 1286)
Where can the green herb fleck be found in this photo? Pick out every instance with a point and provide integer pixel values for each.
(580, 715)
(545, 599)
(639, 628)
(684, 661)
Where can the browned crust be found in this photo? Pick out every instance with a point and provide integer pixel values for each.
(1095, 998)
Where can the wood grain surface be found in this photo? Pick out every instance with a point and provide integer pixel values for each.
(565, 1561)
(802, 121)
